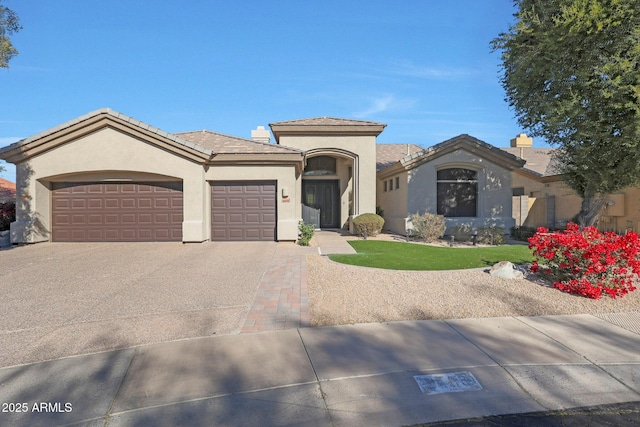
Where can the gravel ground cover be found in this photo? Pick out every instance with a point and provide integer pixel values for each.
(343, 294)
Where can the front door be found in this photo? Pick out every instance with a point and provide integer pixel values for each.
(325, 196)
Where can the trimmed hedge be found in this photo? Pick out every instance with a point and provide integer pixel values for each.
(368, 224)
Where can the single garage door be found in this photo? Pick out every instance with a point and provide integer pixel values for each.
(243, 211)
(119, 212)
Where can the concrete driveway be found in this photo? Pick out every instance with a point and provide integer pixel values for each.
(60, 300)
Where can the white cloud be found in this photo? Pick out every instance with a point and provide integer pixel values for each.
(384, 103)
(409, 69)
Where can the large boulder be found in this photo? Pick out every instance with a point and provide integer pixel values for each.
(505, 270)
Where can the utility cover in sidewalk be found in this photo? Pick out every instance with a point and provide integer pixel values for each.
(447, 383)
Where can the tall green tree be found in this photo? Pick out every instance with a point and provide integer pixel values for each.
(571, 72)
(9, 24)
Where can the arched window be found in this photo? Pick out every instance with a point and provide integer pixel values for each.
(320, 165)
(457, 192)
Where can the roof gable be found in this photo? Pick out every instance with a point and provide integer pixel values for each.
(326, 121)
(94, 121)
(461, 142)
(325, 126)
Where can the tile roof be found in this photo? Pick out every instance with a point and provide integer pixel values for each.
(386, 154)
(456, 141)
(539, 160)
(226, 144)
(7, 190)
(326, 121)
(110, 112)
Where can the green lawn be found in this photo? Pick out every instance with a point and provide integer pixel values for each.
(410, 256)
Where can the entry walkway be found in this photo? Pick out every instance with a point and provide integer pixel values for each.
(333, 242)
(352, 375)
(282, 301)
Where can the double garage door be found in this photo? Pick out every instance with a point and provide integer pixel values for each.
(99, 212)
(118, 212)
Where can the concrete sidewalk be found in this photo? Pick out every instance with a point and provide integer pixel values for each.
(337, 376)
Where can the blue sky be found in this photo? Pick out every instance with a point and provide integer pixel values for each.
(424, 68)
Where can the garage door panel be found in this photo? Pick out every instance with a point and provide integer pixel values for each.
(145, 202)
(95, 219)
(117, 212)
(78, 203)
(95, 203)
(62, 203)
(253, 218)
(161, 203)
(243, 211)
(269, 218)
(235, 203)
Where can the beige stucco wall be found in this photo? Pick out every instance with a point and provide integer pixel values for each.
(103, 155)
(394, 202)
(623, 214)
(494, 190)
(364, 149)
(289, 214)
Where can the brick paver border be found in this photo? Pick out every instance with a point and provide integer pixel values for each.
(281, 301)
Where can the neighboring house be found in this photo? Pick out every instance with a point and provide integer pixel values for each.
(105, 176)
(541, 198)
(465, 179)
(7, 191)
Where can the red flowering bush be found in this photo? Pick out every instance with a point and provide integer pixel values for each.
(7, 214)
(586, 261)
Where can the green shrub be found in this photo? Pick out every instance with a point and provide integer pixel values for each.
(305, 233)
(7, 214)
(368, 224)
(485, 233)
(522, 233)
(428, 227)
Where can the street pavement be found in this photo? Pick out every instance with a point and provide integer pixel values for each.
(548, 370)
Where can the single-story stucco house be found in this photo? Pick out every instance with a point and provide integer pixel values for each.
(105, 176)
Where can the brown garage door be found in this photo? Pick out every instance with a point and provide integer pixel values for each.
(119, 212)
(243, 211)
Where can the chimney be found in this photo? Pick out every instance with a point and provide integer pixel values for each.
(260, 134)
(522, 140)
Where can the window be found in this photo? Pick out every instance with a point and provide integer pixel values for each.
(457, 192)
(386, 183)
(397, 182)
(321, 165)
(390, 184)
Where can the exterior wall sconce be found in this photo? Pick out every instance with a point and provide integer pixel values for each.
(285, 192)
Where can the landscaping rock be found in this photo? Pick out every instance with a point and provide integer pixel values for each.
(505, 270)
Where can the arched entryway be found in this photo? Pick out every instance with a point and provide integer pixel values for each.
(329, 188)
